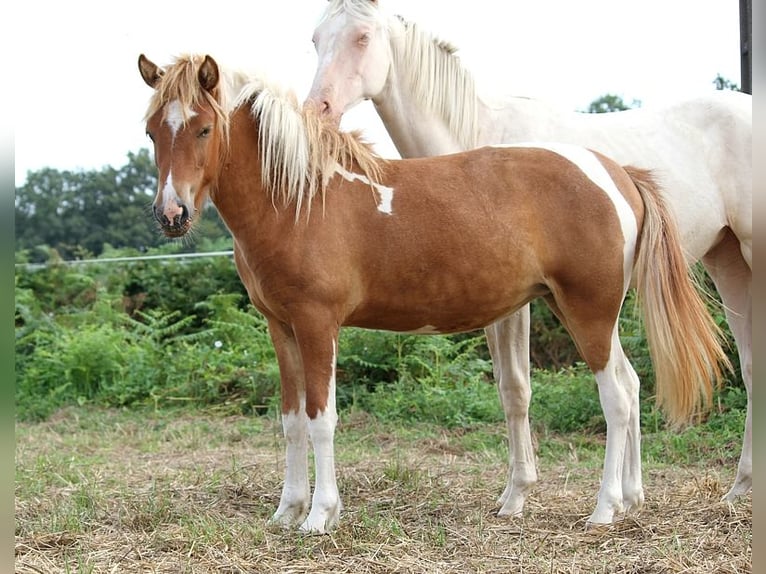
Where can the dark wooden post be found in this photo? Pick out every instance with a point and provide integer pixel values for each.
(746, 45)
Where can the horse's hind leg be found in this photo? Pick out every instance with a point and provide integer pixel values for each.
(598, 341)
(508, 342)
(621, 487)
(733, 279)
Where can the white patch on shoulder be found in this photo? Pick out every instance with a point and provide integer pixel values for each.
(385, 193)
(589, 164)
(174, 116)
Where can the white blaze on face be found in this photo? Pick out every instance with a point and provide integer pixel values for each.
(385, 193)
(170, 199)
(175, 119)
(326, 59)
(174, 116)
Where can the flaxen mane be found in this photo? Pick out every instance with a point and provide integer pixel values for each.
(179, 82)
(299, 150)
(437, 76)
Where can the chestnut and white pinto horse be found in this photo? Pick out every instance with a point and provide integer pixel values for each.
(328, 235)
(700, 151)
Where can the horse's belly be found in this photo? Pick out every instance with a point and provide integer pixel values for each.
(474, 307)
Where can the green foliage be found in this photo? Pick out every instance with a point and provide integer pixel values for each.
(610, 103)
(566, 401)
(722, 83)
(718, 438)
(78, 212)
(100, 355)
(550, 345)
(182, 333)
(173, 286)
(435, 379)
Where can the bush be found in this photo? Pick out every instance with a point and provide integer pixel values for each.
(102, 356)
(416, 378)
(183, 332)
(566, 401)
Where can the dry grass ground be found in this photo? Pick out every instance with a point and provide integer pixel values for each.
(112, 492)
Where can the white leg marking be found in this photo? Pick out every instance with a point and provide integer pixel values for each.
(385, 193)
(294, 502)
(326, 505)
(618, 393)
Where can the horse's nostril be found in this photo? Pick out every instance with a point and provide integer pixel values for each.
(182, 217)
(179, 219)
(159, 216)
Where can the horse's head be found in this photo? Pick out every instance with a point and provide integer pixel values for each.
(353, 56)
(184, 122)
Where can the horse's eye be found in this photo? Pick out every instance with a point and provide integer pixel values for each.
(150, 136)
(364, 39)
(204, 132)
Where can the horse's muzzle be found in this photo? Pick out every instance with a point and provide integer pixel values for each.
(176, 226)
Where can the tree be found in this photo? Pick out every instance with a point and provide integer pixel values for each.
(76, 213)
(722, 83)
(610, 103)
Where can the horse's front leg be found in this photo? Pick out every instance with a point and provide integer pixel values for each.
(508, 342)
(318, 343)
(294, 502)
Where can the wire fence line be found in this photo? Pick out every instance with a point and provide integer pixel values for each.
(34, 266)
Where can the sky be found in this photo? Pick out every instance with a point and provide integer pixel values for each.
(79, 99)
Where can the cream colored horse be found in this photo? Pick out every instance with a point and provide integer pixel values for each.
(700, 151)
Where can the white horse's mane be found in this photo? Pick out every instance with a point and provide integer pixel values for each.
(438, 79)
(440, 82)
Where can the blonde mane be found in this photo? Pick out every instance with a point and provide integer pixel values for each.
(433, 69)
(299, 151)
(440, 81)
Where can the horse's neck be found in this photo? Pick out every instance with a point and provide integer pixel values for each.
(418, 131)
(239, 181)
(414, 130)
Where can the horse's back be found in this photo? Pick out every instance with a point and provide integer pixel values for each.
(700, 150)
(490, 229)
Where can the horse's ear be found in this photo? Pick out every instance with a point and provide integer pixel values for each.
(150, 72)
(208, 74)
